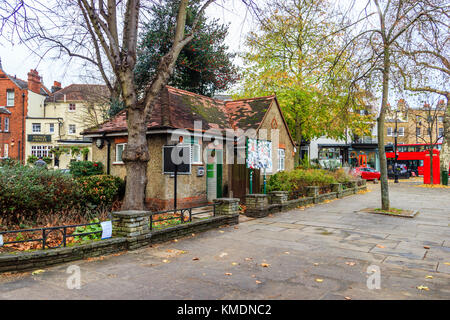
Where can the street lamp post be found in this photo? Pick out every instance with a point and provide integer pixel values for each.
(396, 150)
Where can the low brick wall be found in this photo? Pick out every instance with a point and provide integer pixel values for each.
(22, 261)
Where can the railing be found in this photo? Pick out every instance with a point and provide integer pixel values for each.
(179, 216)
(45, 234)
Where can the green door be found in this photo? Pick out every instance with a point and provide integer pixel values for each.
(219, 180)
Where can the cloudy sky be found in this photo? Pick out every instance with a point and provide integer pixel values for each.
(18, 60)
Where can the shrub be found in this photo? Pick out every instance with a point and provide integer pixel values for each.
(32, 159)
(101, 189)
(25, 190)
(29, 194)
(297, 180)
(85, 168)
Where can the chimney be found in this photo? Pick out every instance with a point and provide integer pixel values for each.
(34, 81)
(56, 86)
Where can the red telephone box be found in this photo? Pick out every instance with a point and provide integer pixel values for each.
(436, 169)
(362, 160)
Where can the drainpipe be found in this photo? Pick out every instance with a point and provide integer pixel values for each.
(108, 157)
(23, 127)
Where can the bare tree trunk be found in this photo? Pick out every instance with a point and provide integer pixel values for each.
(298, 134)
(383, 161)
(445, 150)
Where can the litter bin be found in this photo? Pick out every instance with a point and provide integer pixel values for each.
(444, 178)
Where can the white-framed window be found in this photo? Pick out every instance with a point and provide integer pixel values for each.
(36, 127)
(441, 132)
(72, 129)
(6, 124)
(196, 151)
(389, 131)
(41, 151)
(401, 132)
(119, 150)
(10, 98)
(72, 107)
(281, 159)
(5, 150)
(440, 119)
(418, 132)
(51, 127)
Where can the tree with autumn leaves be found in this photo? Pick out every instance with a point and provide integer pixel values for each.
(291, 54)
(204, 65)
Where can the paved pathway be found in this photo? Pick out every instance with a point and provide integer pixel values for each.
(332, 242)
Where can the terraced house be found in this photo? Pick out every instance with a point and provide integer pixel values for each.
(206, 177)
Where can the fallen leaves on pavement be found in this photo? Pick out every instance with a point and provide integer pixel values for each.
(423, 288)
(265, 265)
(319, 280)
(37, 272)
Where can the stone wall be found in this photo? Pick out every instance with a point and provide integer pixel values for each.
(131, 234)
(261, 205)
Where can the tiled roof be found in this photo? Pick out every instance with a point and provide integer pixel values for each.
(80, 92)
(22, 84)
(184, 107)
(248, 113)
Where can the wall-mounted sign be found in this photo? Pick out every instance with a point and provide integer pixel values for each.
(200, 171)
(39, 138)
(179, 155)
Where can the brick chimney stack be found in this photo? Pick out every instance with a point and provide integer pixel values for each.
(56, 86)
(34, 81)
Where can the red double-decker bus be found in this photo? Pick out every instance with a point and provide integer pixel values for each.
(410, 155)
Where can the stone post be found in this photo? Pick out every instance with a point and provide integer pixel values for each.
(256, 201)
(313, 191)
(257, 205)
(337, 187)
(226, 206)
(131, 223)
(278, 197)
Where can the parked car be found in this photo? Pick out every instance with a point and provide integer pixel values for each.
(366, 173)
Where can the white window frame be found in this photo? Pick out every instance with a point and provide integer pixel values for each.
(8, 98)
(6, 124)
(74, 107)
(281, 159)
(401, 132)
(418, 132)
(440, 132)
(34, 125)
(75, 129)
(41, 151)
(50, 126)
(440, 119)
(389, 129)
(5, 150)
(117, 153)
(196, 147)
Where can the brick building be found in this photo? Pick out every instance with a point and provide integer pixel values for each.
(16, 96)
(207, 178)
(421, 125)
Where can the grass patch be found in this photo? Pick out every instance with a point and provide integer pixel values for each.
(390, 211)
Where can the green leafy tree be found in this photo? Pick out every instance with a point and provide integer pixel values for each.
(204, 66)
(291, 55)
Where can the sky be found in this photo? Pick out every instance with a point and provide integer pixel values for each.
(18, 60)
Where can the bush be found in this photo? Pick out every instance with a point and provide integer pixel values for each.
(25, 190)
(101, 189)
(297, 180)
(85, 168)
(28, 193)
